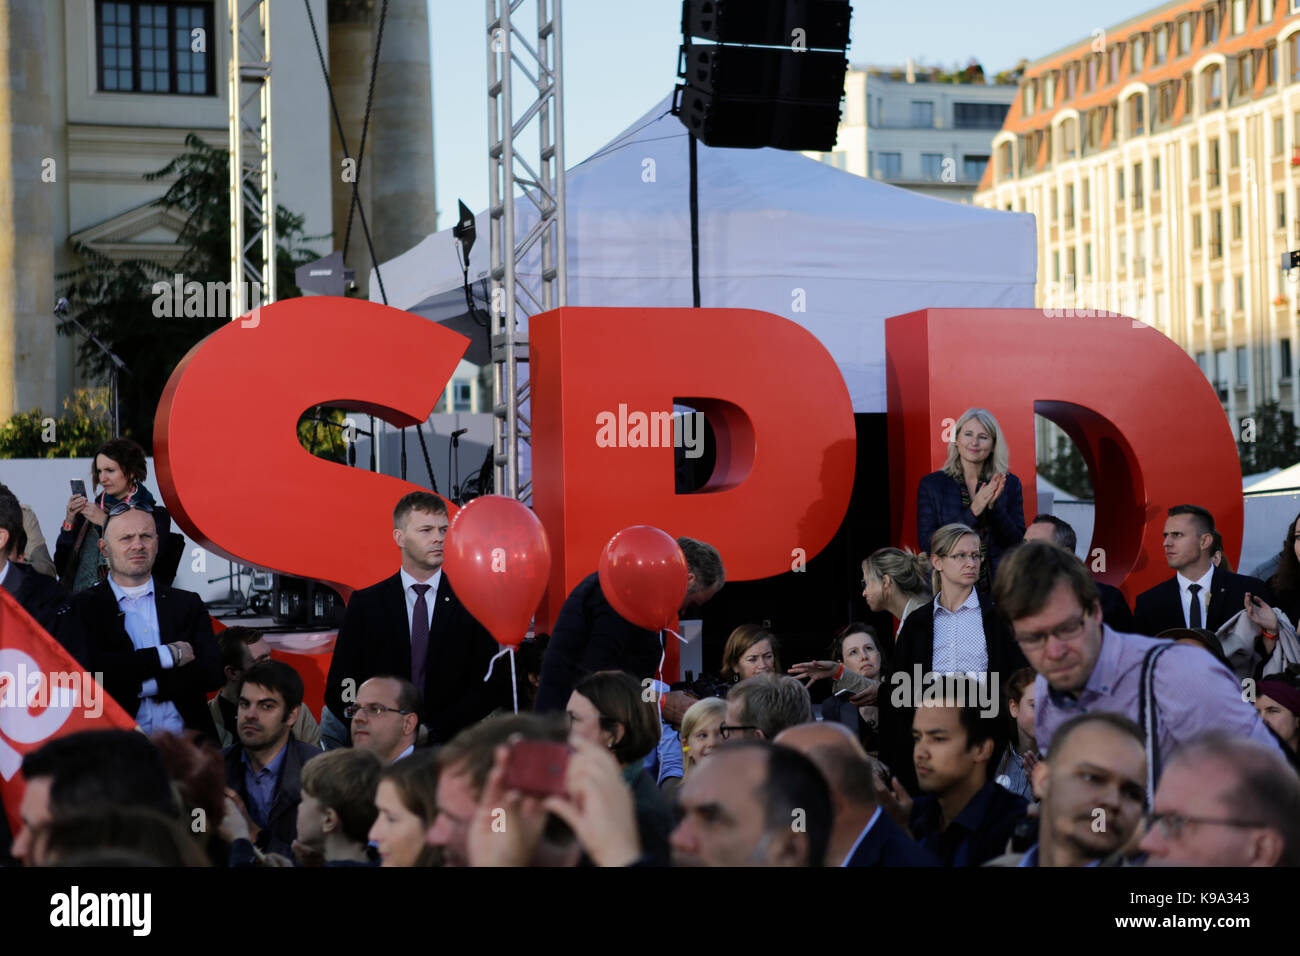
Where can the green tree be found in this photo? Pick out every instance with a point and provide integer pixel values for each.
(116, 300)
(1268, 439)
(84, 426)
(1067, 470)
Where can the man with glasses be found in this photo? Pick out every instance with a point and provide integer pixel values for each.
(1083, 665)
(385, 718)
(1224, 801)
(153, 644)
(759, 708)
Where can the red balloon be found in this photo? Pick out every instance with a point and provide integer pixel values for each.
(499, 560)
(643, 576)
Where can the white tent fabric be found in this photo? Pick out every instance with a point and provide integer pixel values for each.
(834, 252)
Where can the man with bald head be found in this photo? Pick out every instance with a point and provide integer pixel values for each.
(153, 644)
(385, 718)
(862, 834)
(753, 804)
(1093, 790)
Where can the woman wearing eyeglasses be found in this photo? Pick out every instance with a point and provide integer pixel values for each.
(959, 632)
(119, 471)
(975, 488)
(607, 708)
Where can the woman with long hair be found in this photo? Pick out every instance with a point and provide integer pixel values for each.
(897, 581)
(976, 488)
(407, 803)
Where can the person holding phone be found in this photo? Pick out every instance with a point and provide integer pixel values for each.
(119, 471)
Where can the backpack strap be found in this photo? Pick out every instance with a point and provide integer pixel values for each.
(1148, 715)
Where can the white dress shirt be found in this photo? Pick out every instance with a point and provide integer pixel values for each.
(959, 645)
(140, 618)
(430, 597)
(4, 571)
(1203, 595)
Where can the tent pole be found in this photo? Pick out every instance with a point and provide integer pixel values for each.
(695, 229)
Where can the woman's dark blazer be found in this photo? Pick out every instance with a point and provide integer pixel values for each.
(915, 646)
(938, 502)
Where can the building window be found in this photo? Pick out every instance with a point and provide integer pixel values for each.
(931, 166)
(1218, 304)
(1212, 164)
(1234, 150)
(1279, 136)
(1139, 252)
(1162, 43)
(1051, 212)
(1157, 242)
(972, 168)
(1266, 11)
(1238, 17)
(1221, 371)
(979, 115)
(1239, 293)
(890, 165)
(1137, 186)
(1119, 184)
(462, 397)
(1200, 301)
(1202, 359)
(1071, 74)
(1242, 374)
(1049, 91)
(1167, 101)
(1028, 107)
(1243, 75)
(1284, 356)
(1216, 234)
(1112, 68)
(1211, 25)
(1069, 211)
(1270, 65)
(1196, 230)
(1006, 167)
(1087, 195)
(1136, 115)
(1139, 61)
(1092, 73)
(1056, 266)
(1236, 220)
(1279, 205)
(1068, 137)
(923, 114)
(1213, 79)
(1123, 250)
(1155, 174)
(1293, 51)
(1087, 258)
(147, 48)
(1194, 162)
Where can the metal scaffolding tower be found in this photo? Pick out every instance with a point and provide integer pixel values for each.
(542, 181)
(252, 204)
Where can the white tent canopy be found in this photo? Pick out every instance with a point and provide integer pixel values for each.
(779, 232)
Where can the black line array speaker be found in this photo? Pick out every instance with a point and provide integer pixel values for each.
(771, 75)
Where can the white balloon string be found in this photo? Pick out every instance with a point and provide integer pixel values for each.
(514, 684)
(492, 663)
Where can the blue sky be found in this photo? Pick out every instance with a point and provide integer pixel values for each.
(620, 58)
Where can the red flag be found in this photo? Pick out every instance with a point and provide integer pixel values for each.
(44, 693)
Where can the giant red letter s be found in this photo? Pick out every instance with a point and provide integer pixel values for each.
(781, 415)
(228, 458)
(1125, 394)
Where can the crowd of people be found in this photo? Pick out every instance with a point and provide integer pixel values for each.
(1019, 713)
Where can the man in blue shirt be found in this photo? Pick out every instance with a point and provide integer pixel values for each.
(264, 768)
(1093, 790)
(962, 816)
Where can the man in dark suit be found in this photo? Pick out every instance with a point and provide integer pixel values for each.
(1114, 606)
(40, 596)
(862, 834)
(264, 766)
(153, 644)
(1199, 594)
(589, 635)
(412, 626)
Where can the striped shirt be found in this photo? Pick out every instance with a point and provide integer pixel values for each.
(959, 645)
